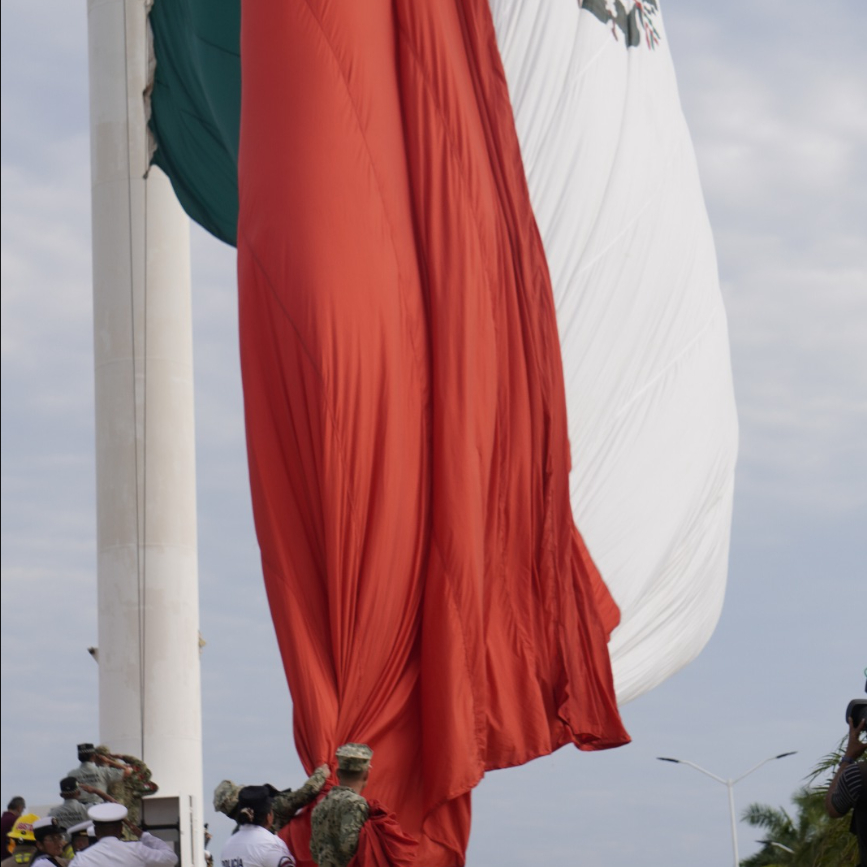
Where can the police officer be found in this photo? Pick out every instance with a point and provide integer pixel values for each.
(50, 841)
(71, 811)
(93, 778)
(110, 851)
(284, 804)
(337, 820)
(253, 845)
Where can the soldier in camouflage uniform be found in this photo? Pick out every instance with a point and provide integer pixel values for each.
(337, 821)
(93, 778)
(284, 804)
(131, 788)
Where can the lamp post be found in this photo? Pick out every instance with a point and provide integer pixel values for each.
(729, 784)
(780, 846)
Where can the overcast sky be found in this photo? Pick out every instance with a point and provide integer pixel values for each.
(776, 98)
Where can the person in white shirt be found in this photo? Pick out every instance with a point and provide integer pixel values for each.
(110, 851)
(80, 836)
(253, 845)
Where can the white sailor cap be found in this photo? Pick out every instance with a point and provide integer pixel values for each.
(107, 813)
(43, 827)
(80, 828)
(47, 822)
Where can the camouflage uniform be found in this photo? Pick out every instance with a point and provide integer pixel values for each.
(336, 824)
(129, 790)
(100, 778)
(285, 804)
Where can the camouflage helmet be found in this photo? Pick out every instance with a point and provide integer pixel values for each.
(354, 758)
(226, 797)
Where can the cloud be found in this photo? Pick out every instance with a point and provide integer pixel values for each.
(777, 110)
(779, 118)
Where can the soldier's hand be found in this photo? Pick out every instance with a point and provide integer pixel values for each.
(85, 788)
(317, 779)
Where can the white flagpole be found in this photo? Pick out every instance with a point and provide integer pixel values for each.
(149, 678)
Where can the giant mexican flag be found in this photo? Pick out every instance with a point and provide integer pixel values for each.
(469, 234)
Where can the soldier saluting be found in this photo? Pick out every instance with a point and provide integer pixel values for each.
(344, 822)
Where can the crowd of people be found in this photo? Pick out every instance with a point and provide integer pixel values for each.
(323, 822)
(92, 795)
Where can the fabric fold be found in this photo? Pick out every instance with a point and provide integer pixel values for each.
(405, 409)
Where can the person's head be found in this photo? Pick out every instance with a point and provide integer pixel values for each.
(101, 754)
(353, 779)
(107, 819)
(254, 806)
(78, 835)
(85, 752)
(353, 765)
(49, 836)
(69, 790)
(16, 805)
(226, 798)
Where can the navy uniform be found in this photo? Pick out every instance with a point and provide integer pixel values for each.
(337, 821)
(80, 836)
(110, 851)
(50, 841)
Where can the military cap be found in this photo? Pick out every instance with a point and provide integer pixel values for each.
(353, 757)
(226, 797)
(43, 827)
(107, 813)
(80, 828)
(85, 748)
(68, 784)
(103, 750)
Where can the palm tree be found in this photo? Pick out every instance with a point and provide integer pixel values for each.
(810, 838)
(779, 839)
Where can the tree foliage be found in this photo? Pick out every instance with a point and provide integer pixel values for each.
(809, 838)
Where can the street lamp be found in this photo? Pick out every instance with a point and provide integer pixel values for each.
(730, 784)
(778, 845)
